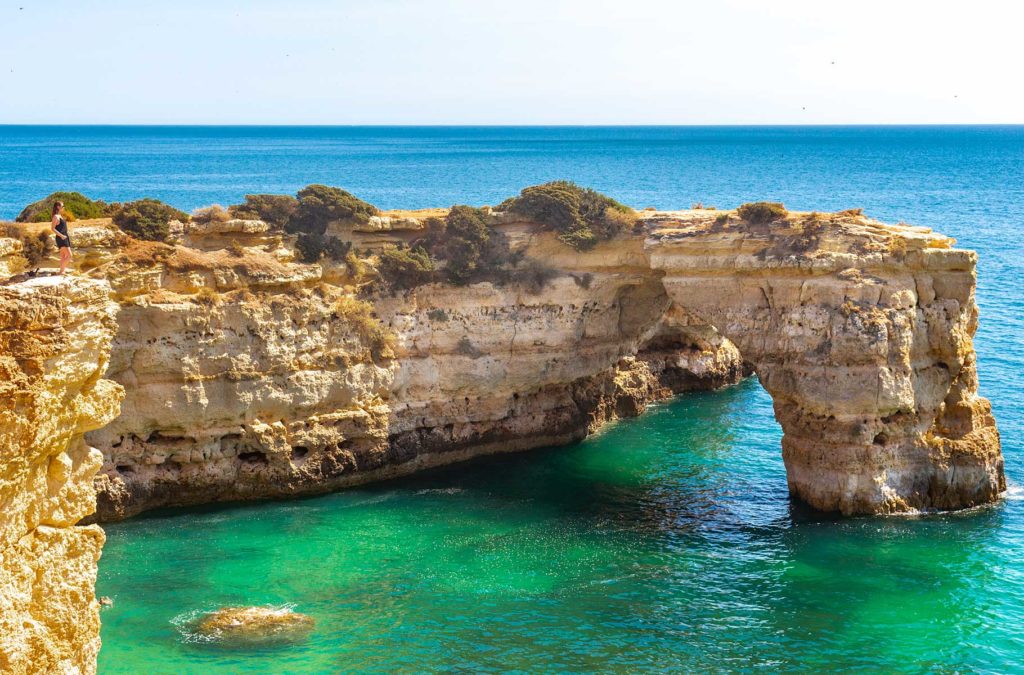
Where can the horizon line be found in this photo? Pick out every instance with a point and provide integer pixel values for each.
(508, 125)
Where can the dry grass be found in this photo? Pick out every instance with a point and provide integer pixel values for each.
(183, 259)
(415, 213)
(850, 213)
(211, 214)
(372, 333)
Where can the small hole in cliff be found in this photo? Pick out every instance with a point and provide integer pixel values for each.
(881, 438)
(298, 452)
(125, 468)
(253, 457)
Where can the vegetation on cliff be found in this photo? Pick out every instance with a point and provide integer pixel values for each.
(358, 314)
(76, 205)
(401, 268)
(211, 214)
(147, 218)
(275, 210)
(583, 216)
(760, 213)
(36, 244)
(320, 205)
(313, 247)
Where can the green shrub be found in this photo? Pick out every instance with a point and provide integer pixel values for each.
(275, 210)
(313, 247)
(319, 205)
(147, 218)
(336, 249)
(402, 268)
(582, 216)
(472, 251)
(76, 206)
(761, 212)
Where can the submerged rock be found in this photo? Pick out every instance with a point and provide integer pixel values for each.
(254, 626)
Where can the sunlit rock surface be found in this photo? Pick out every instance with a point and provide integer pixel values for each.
(55, 337)
(245, 380)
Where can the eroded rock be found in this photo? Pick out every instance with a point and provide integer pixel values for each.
(55, 337)
(254, 626)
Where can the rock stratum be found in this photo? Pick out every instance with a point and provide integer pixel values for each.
(250, 375)
(55, 338)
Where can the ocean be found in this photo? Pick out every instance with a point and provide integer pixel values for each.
(666, 542)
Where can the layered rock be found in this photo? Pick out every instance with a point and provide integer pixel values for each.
(246, 380)
(862, 334)
(55, 337)
(252, 391)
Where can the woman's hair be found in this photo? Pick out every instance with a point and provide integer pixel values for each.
(56, 207)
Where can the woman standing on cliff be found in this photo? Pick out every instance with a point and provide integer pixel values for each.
(60, 229)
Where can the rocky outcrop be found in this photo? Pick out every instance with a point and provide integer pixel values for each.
(55, 337)
(862, 334)
(251, 375)
(260, 390)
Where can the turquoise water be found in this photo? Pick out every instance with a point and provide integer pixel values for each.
(666, 542)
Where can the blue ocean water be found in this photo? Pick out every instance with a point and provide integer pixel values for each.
(665, 542)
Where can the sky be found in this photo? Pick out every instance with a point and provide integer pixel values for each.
(511, 62)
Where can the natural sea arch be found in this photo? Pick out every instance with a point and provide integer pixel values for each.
(867, 355)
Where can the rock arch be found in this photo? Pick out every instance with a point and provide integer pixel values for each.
(862, 335)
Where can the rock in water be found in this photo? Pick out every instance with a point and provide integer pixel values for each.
(254, 626)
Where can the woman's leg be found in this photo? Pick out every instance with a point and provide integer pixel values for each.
(65, 256)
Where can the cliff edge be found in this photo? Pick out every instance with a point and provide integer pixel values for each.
(55, 339)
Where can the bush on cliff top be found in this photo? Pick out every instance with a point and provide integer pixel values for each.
(471, 250)
(759, 213)
(402, 268)
(76, 206)
(313, 247)
(582, 216)
(275, 210)
(319, 205)
(147, 218)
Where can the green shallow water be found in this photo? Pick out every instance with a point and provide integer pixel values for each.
(664, 542)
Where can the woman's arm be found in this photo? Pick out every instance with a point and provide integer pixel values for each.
(53, 226)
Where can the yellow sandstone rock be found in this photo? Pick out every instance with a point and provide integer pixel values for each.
(245, 380)
(55, 337)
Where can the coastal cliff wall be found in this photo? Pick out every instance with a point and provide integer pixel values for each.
(862, 334)
(251, 375)
(277, 380)
(55, 338)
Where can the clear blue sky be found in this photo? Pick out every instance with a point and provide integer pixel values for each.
(511, 62)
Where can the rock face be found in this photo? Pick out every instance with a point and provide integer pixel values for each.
(250, 375)
(862, 334)
(55, 338)
(268, 389)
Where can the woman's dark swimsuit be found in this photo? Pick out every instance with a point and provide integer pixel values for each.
(62, 228)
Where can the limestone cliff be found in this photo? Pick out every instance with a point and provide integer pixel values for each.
(55, 338)
(862, 334)
(251, 375)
